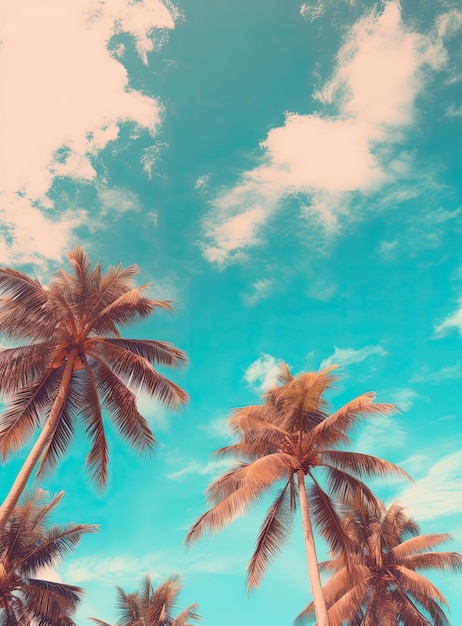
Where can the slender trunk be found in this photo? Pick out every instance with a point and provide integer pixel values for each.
(39, 446)
(313, 568)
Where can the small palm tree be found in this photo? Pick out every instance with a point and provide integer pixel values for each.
(27, 546)
(73, 361)
(152, 606)
(381, 583)
(288, 439)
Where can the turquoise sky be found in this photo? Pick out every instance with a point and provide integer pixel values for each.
(289, 175)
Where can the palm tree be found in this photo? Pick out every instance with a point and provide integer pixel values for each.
(28, 545)
(288, 439)
(72, 361)
(152, 606)
(381, 584)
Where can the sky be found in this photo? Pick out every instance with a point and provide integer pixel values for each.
(289, 175)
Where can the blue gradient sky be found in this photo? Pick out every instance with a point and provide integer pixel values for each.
(289, 175)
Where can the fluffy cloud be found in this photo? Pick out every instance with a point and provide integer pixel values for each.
(112, 569)
(263, 373)
(438, 492)
(348, 356)
(64, 99)
(328, 157)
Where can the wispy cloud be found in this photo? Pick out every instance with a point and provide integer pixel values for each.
(439, 492)
(427, 376)
(404, 398)
(65, 97)
(381, 435)
(313, 11)
(113, 569)
(195, 467)
(260, 290)
(349, 356)
(262, 374)
(380, 71)
(451, 322)
(216, 428)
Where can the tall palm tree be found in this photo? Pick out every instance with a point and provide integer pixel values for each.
(287, 440)
(72, 362)
(152, 606)
(28, 545)
(381, 584)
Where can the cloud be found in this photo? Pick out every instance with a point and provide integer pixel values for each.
(312, 12)
(381, 435)
(117, 201)
(439, 492)
(426, 376)
(349, 356)
(64, 100)
(262, 374)
(451, 322)
(112, 569)
(328, 156)
(404, 398)
(453, 111)
(216, 428)
(260, 290)
(192, 466)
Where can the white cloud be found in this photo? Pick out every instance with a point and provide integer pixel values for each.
(216, 428)
(439, 492)
(327, 157)
(426, 376)
(453, 111)
(202, 182)
(260, 290)
(380, 435)
(262, 374)
(348, 356)
(404, 398)
(451, 322)
(192, 466)
(64, 99)
(312, 12)
(117, 201)
(113, 569)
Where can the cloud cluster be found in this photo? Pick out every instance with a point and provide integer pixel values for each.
(263, 373)
(64, 99)
(326, 156)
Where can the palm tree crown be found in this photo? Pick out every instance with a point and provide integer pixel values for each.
(381, 584)
(72, 361)
(288, 439)
(27, 546)
(152, 606)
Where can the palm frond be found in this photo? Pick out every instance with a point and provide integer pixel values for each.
(156, 352)
(413, 583)
(362, 464)
(447, 561)
(413, 546)
(189, 613)
(139, 375)
(121, 405)
(273, 534)
(327, 519)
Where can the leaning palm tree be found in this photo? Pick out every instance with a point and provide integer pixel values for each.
(72, 362)
(28, 545)
(287, 440)
(152, 606)
(382, 583)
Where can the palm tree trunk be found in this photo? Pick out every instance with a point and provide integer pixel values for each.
(313, 568)
(39, 446)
